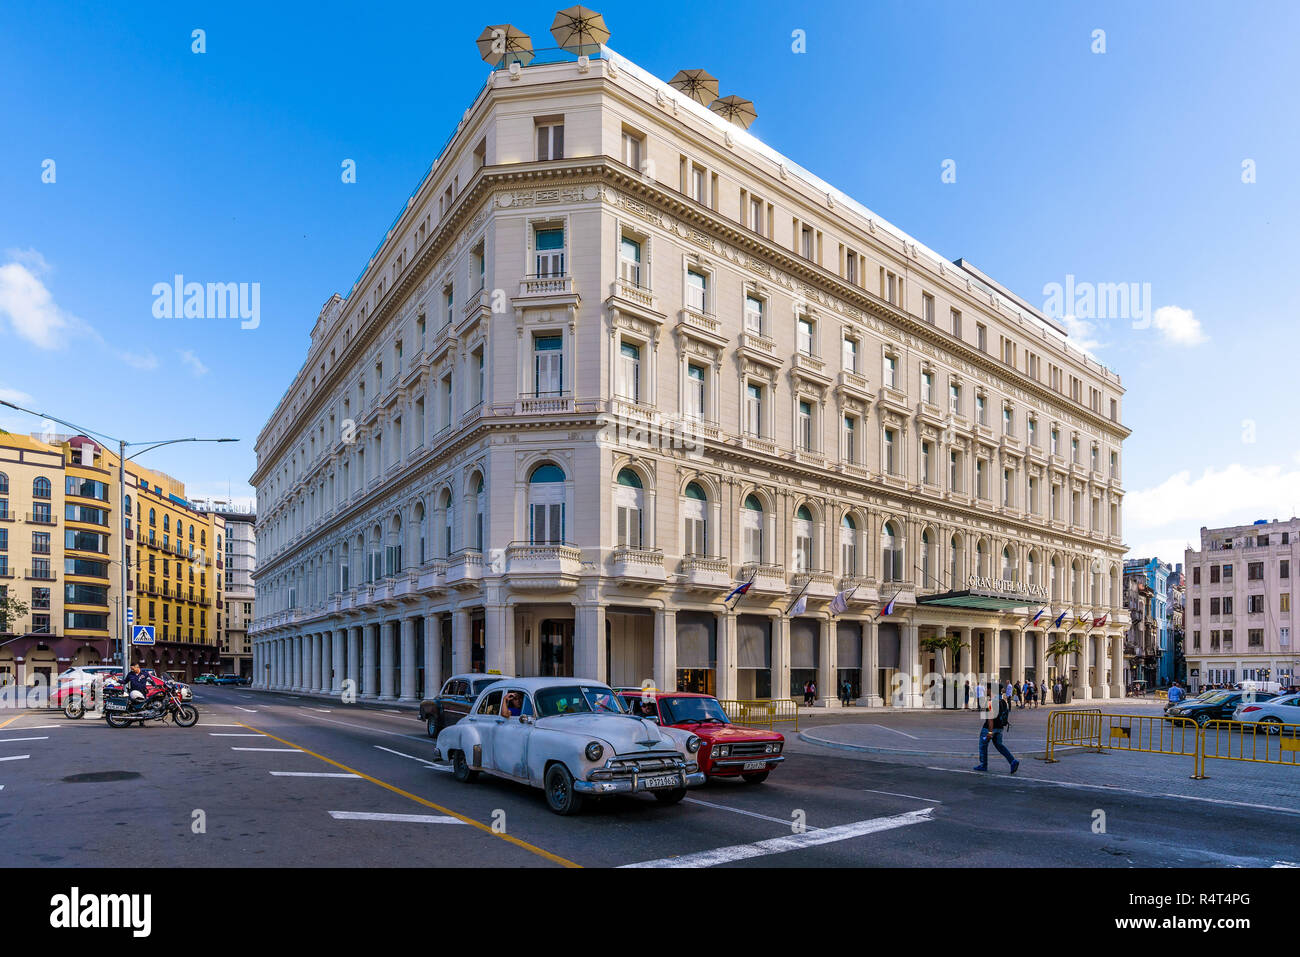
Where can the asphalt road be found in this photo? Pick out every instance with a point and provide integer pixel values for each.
(272, 780)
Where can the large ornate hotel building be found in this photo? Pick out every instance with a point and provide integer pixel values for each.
(617, 356)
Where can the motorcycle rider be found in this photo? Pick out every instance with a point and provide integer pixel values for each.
(137, 685)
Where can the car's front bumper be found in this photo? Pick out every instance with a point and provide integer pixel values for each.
(629, 785)
(737, 765)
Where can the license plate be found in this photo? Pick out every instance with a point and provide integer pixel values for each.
(660, 781)
(114, 706)
(754, 766)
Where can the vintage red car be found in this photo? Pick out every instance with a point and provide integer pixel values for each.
(728, 750)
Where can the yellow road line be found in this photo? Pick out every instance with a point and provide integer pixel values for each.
(564, 862)
(5, 724)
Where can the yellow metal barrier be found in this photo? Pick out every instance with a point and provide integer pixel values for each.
(1258, 743)
(1162, 695)
(1078, 726)
(761, 712)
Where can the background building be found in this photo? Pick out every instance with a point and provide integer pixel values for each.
(1157, 575)
(1238, 620)
(59, 496)
(240, 558)
(617, 355)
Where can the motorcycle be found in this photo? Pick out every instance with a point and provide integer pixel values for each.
(159, 706)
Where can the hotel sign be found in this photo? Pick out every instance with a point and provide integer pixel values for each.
(1005, 586)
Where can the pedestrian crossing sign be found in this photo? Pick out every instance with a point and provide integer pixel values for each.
(142, 635)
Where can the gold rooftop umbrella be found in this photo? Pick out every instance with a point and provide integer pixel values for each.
(497, 44)
(579, 30)
(699, 85)
(739, 111)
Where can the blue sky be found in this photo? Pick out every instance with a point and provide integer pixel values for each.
(1122, 166)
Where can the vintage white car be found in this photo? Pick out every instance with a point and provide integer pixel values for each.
(574, 739)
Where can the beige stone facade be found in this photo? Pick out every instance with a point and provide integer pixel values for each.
(583, 390)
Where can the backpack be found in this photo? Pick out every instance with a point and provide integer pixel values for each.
(1003, 721)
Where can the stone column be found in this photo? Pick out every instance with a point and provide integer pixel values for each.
(460, 641)
(295, 647)
(965, 668)
(727, 679)
(1018, 656)
(589, 640)
(665, 655)
(1097, 646)
(354, 657)
(369, 685)
(433, 676)
(315, 656)
(910, 655)
(339, 648)
(408, 690)
(1117, 666)
(780, 657)
(828, 671)
(870, 666)
(387, 657)
(993, 656)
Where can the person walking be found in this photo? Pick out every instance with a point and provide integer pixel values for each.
(1020, 701)
(981, 697)
(993, 729)
(966, 701)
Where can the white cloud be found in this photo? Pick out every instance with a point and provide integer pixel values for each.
(1082, 333)
(193, 361)
(15, 396)
(1178, 326)
(32, 312)
(1166, 518)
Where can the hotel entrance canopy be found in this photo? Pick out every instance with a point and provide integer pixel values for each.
(977, 601)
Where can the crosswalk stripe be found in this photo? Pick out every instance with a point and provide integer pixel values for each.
(404, 818)
(792, 842)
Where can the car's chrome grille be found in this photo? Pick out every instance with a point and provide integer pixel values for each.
(641, 764)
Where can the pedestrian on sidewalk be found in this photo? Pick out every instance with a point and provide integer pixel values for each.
(966, 701)
(1031, 698)
(993, 728)
(981, 696)
(1020, 702)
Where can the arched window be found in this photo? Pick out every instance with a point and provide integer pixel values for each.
(849, 546)
(954, 563)
(981, 560)
(546, 505)
(480, 509)
(629, 507)
(203, 537)
(1008, 564)
(1031, 568)
(345, 565)
(4, 484)
(751, 523)
(1076, 582)
(448, 521)
(153, 518)
(892, 554)
(695, 511)
(927, 570)
(1055, 583)
(803, 539)
(393, 550)
(191, 533)
(421, 531)
(41, 488)
(167, 522)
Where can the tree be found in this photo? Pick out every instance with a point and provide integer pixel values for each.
(951, 643)
(1063, 648)
(10, 607)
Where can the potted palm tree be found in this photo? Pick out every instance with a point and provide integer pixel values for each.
(949, 644)
(1063, 648)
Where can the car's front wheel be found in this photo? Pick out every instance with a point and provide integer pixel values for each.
(460, 769)
(670, 796)
(560, 795)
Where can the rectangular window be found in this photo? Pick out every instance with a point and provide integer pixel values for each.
(806, 242)
(1283, 569)
(754, 409)
(981, 415)
(633, 146)
(981, 337)
(550, 252)
(805, 426)
(694, 391)
(548, 365)
(956, 323)
(756, 215)
(925, 463)
(850, 440)
(954, 398)
(889, 462)
(629, 262)
(550, 141)
(1255, 604)
(891, 372)
(699, 185)
(805, 337)
(927, 387)
(927, 307)
(954, 472)
(754, 315)
(850, 355)
(697, 290)
(1008, 422)
(1255, 571)
(629, 369)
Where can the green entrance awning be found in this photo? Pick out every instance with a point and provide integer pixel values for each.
(979, 601)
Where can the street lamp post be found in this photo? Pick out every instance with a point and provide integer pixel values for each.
(124, 638)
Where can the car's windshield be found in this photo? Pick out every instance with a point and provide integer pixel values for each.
(578, 699)
(692, 710)
(1215, 698)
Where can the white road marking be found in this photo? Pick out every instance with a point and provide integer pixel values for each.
(912, 796)
(322, 710)
(37, 727)
(2, 787)
(425, 761)
(1114, 787)
(404, 818)
(736, 810)
(793, 842)
(392, 710)
(249, 710)
(7, 740)
(362, 727)
(236, 734)
(296, 750)
(896, 731)
(16, 757)
(314, 774)
(214, 724)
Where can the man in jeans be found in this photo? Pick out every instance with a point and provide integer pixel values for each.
(993, 728)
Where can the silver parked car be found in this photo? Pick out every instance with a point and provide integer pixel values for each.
(574, 739)
(1272, 715)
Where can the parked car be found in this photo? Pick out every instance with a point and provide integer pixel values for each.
(454, 700)
(75, 684)
(1218, 706)
(230, 680)
(728, 750)
(1269, 716)
(572, 738)
(205, 680)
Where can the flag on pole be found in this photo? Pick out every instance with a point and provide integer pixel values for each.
(840, 603)
(800, 605)
(739, 591)
(1034, 620)
(1060, 618)
(1099, 622)
(1080, 620)
(889, 609)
